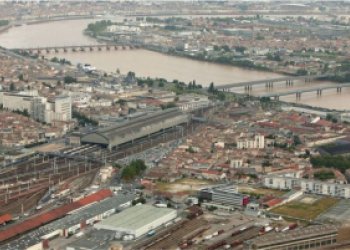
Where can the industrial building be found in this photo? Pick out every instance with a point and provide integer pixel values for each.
(137, 220)
(312, 237)
(137, 128)
(54, 214)
(72, 223)
(224, 194)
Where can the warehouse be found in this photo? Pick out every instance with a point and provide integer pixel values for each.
(137, 220)
(136, 128)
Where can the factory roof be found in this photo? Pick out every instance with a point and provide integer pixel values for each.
(135, 217)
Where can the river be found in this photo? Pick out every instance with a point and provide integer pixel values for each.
(148, 63)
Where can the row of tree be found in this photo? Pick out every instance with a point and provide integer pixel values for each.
(341, 163)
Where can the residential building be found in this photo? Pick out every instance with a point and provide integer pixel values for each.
(251, 142)
(307, 186)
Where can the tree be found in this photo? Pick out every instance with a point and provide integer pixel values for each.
(12, 87)
(20, 77)
(69, 79)
(211, 88)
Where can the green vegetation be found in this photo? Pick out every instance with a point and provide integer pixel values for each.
(190, 150)
(21, 77)
(20, 112)
(98, 27)
(301, 72)
(212, 208)
(305, 211)
(324, 175)
(4, 22)
(139, 200)
(341, 163)
(168, 105)
(60, 61)
(83, 119)
(69, 79)
(135, 168)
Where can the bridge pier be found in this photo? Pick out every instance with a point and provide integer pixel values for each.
(338, 89)
(248, 88)
(319, 92)
(82, 49)
(289, 82)
(269, 85)
(298, 95)
(99, 48)
(91, 49)
(107, 47)
(276, 98)
(65, 50)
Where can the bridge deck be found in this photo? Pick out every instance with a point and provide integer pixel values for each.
(291, 92)
(280, 79)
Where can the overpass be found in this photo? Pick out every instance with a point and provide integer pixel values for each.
(298, 92)
(75, 48)
(248, 86)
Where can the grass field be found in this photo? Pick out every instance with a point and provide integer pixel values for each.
(305, 211)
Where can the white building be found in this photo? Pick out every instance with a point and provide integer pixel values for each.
(308, 186)
(236, 163)
(39, 108)
(16, 101)
(251, 142)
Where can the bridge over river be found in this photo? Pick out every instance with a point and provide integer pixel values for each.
(289, 80)
(75, 48)
(298, 92)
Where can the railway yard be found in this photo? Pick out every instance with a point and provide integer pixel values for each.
(32, 178)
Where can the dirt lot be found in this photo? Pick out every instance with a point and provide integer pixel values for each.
(260, 191)
(183, 185)
(306, 211)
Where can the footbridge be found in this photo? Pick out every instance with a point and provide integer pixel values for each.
(299, 92)
(288, 80)
(75, 48)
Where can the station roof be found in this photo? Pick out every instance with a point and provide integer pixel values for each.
(137, 128)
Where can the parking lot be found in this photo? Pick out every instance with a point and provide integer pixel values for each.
(340, 213)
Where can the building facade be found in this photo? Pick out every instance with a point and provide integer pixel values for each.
(251, 142)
